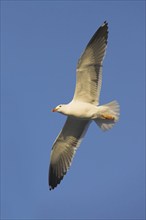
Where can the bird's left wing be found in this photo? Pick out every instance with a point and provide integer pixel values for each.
(64, 149)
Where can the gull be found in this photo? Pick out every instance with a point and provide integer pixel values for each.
(84, 107)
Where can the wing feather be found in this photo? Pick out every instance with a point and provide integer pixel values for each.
(89, 68)
(64, 148)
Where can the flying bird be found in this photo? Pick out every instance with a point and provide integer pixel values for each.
(84, 107)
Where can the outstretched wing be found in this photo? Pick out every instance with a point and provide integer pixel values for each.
(64, 149)
(89, 68)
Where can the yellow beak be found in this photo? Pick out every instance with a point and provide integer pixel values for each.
(54, 110)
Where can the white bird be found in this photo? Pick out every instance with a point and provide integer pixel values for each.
(84, 108)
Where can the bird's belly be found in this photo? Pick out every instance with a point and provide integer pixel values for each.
(84, 112)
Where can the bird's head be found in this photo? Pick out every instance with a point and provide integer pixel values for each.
(58, 108)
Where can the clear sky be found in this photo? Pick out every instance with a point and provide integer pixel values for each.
(41, 42)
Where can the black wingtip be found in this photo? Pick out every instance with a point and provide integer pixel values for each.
(105, 23)
(51, 187)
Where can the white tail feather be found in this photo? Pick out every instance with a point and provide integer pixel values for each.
(112, 109)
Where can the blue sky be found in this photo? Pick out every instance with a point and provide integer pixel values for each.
(41, 42)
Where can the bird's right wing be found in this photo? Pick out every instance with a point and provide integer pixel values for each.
(89, 68)
(64, 149)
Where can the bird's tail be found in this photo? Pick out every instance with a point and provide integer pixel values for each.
(109, 116)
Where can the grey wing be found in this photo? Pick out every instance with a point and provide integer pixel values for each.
(89, 68)
(64, 149)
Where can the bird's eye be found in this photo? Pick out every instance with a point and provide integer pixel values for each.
(59, 106)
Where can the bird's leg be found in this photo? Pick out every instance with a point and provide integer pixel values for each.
(107, 116)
